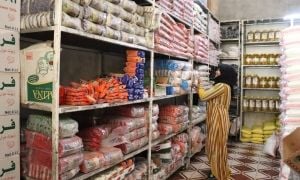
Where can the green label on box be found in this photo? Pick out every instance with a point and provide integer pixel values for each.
(40, 92)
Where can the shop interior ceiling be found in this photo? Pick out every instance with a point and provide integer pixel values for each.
(253, 9)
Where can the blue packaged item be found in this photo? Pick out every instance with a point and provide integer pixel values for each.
(170, 90)
(139, 71)
(140, 65)
(130, 91)
(184, 85)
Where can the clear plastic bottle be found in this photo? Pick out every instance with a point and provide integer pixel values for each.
(250, 36)
(258, 104)
(246, 103)
(265, 104)
(257, 36)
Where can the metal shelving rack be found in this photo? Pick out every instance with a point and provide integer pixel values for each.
(265, 69)
(60, 36)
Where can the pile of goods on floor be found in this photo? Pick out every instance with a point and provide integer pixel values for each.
(169, 155)
(172, 77)
(172, 119)
(260, 133)
(120, 20)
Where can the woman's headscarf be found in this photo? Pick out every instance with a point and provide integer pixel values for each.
(228, 76)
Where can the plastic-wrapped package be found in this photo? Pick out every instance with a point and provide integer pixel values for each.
(92, 161)
(140, 40)
(92, 137)
(139, 20)
(173, 120)
(139, 31)
(70, 174)
(127, 27)
(100, 5)
(113, 34)
(66, 146)
(114, 1)
(111, 154)
(129, 123)
(129, 6)
(126, 16)
(136, 134)
(71, 22)
(126, 37)
(165, 129)
(171, 110)
(94, 16)
(67, 127)
(131, 111)
(140, 10)
(72, 9)
(113, 22)
(134, 145)
(44, 158)
(93, 28)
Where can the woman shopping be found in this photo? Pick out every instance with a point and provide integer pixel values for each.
(218, 124)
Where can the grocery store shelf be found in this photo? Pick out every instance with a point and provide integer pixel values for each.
(198, 121)
(263, 89)
(170, 55)
(174, 16)
(82, 176)
(267, 112)
(262, 43)
(230, 40)
(261, 66)
(68, 108)
(229, 58)
(168, 96)
(76, 33)
(163, 138)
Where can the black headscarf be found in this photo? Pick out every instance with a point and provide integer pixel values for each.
(228, 76)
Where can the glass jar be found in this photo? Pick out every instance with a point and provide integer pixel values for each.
(257, 36)
(255, 59)
(277, 35)
(271, 35)
(271, 82)
(277, 82)
(258, 104)
(255, 81)
(272, 59)
(277, 59)
(246, 103)
(250, 36)
(264, 35)
(248, 81)
(277, 104)
(262, 82)
(248, 59)
(271, 105)
(265, 104)
(263, 59)
(251, 104)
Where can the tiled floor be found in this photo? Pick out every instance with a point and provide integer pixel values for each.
(247, 162)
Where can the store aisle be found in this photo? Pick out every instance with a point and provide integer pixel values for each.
(247, 162)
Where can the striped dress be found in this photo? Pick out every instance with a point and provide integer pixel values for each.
(218, 125)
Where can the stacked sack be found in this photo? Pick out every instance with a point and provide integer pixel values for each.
(213, 54)
(170, 154)
(119, 171)
(197, 138)
(172, 119)
(289, 93)
(39, 144)
(214, 30)
(176, 74)
(201, 75)
(201, 49)
(135, 73)
(121, 20)
(155, 112)
(197, 114)
(200, 19)
(140, 169)
(173, 38)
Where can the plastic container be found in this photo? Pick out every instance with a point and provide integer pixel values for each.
(250, 36)
(258, 104)
(255, 81)
(271, 35)
(246, 103)
(263, 59)
(251, 104)
(265, 104)
(271, 104)
(264, 35)
(257, 36)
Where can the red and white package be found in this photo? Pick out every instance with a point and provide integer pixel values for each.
(131, 111)
(111, 155)
(92, 161)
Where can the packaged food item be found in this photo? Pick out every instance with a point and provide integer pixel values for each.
(129, 6)
(264, 35)
(277, 59)
(248, 81)
(126, 16)
(271, 82)
(71, 22)
(111, 155)
(72, 9)
(93, 28)
(113, 22)
(248, 59)
(127, 27)
(94, 16)
(277, 35)
(114, 9)
(67, 127)
(250, 36)
(272, 59)
(69, 174)
(265, 104)
(246, 103)
(258, 104)
(139, 20)
(257, 36)
(100, 5)
(263, 59)
(92, 161)
(277, 82)
(255, 81)
(131, 111)
(251, 104)
(271, 104)
(92, 137)
(113, 34)
(277, 104)
(271, 35)
(256, 59)
(262, 82)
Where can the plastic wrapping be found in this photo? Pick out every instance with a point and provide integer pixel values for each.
(92, 161)
(126, 16)
(67, 127)
(130, 123)
(72, 9)
(127, 27)
(100, 5)
(113, 34)
(173, 120)
(70, 174)
(134, 145)
(94, 16)
(131, 111)
(113, 22)
(126, 37)
(114, 1)
(71, 22)
(44, 158)
(136, 134)
(139, 31)
(42, 19)
(111, 154)
(66, 146)
(139, 20)
(93, 28)
(92, 137)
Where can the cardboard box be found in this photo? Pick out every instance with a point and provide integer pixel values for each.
(37, 74)
(291, 150)
(9, 93)
(10, 168)
(10, 15)
(9, 51)
(9, 136)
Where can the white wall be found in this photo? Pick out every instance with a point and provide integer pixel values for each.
(256, 9)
